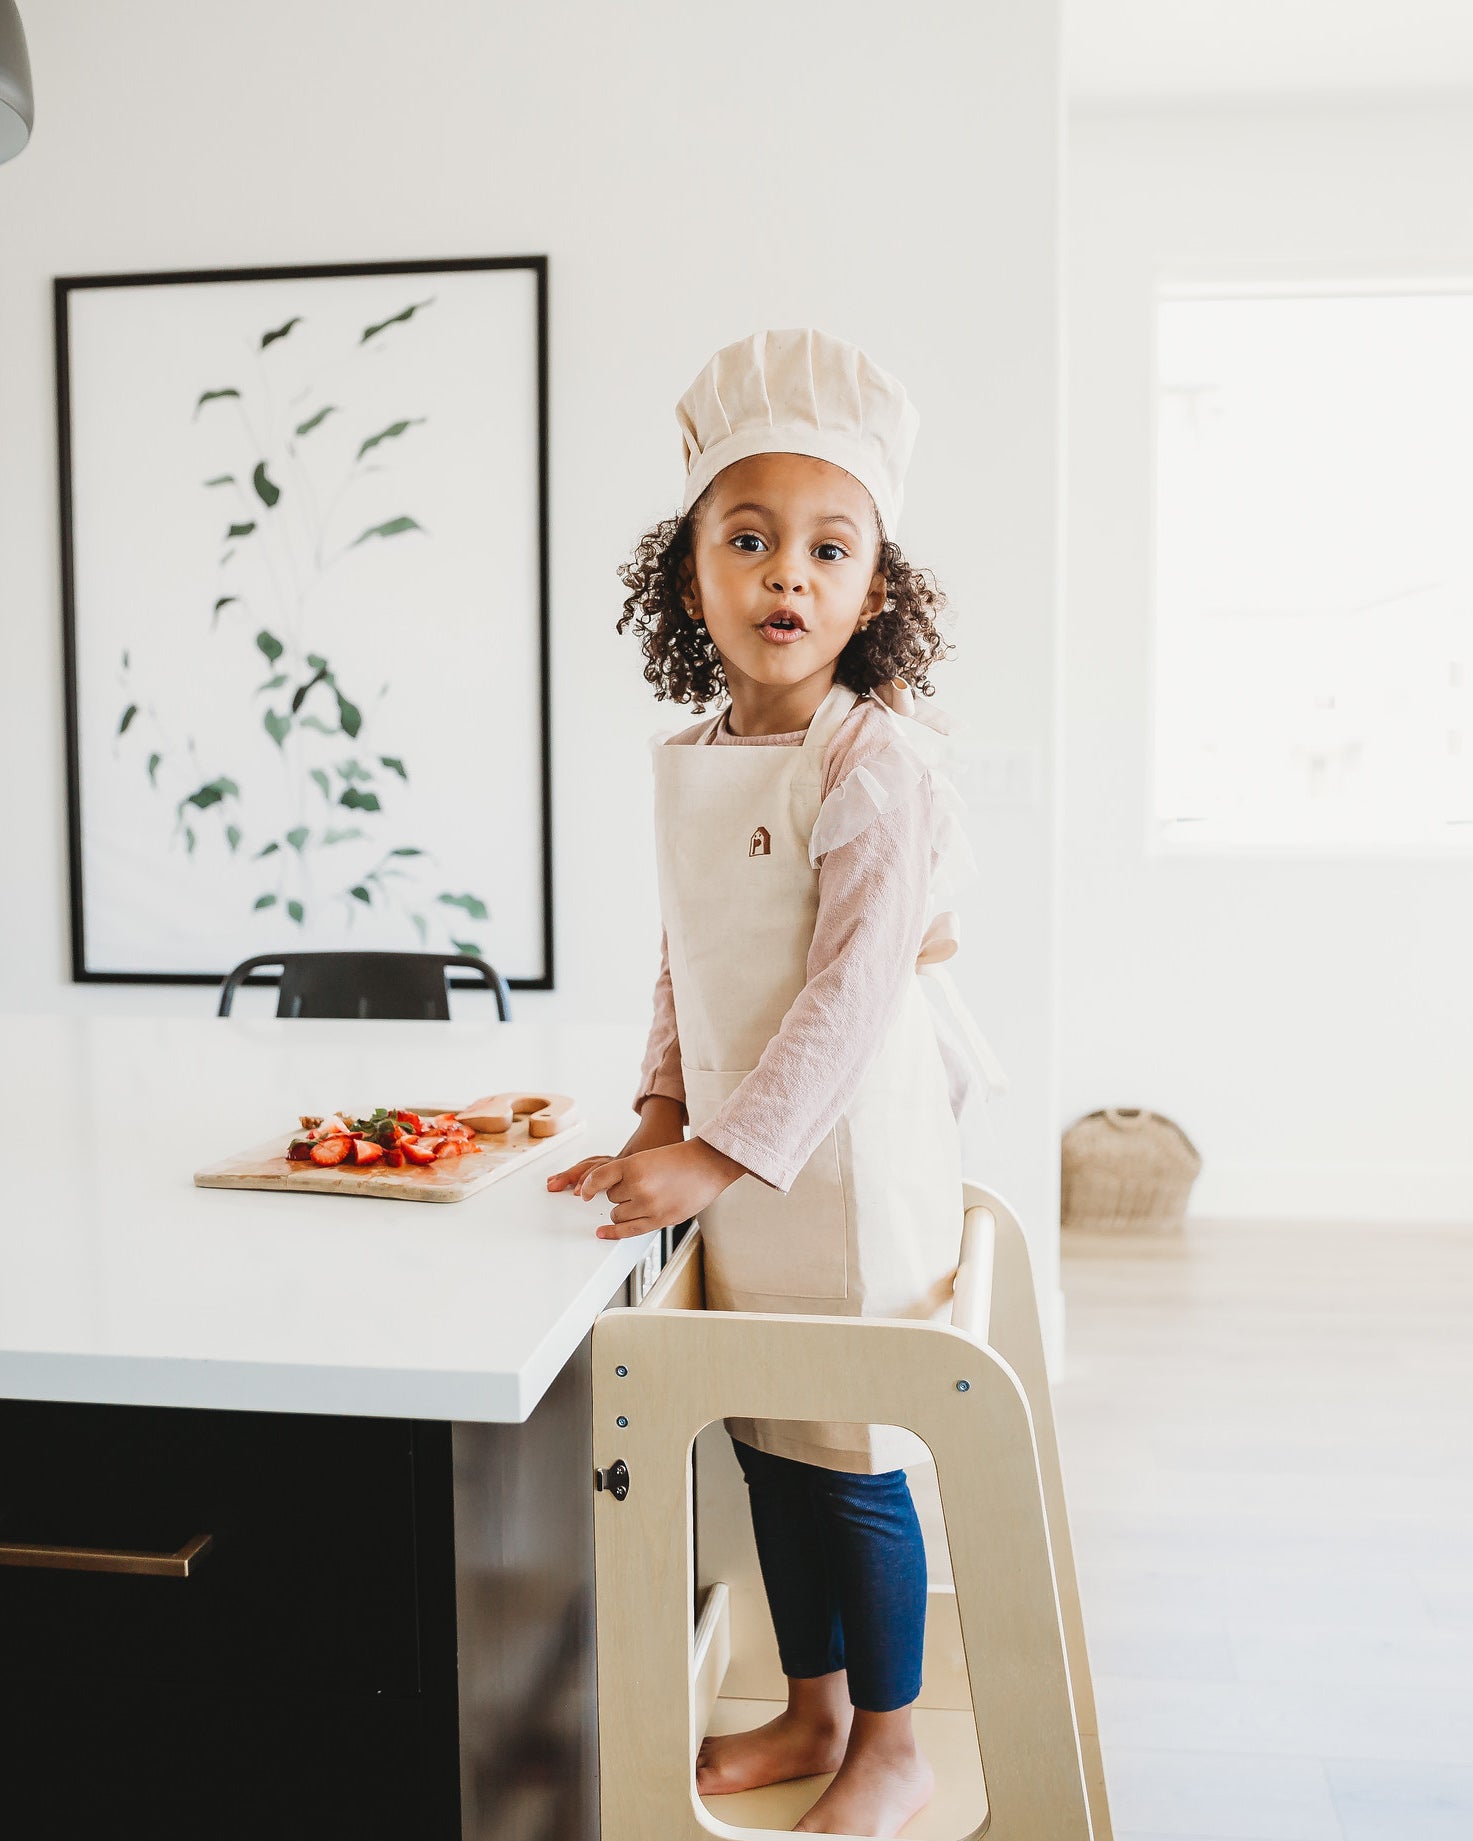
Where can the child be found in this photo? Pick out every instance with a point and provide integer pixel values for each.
(802, 837)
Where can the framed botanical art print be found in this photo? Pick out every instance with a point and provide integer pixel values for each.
(304, 571)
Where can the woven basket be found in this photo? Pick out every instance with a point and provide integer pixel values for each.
(1127, 1170)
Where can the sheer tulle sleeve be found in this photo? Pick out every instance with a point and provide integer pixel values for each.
(886, 779)
(924, 751)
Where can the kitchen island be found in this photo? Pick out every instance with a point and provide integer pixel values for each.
(350, 1436)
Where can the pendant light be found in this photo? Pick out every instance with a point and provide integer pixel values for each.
(17, 106)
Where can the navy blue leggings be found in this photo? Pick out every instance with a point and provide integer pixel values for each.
(844, 1564)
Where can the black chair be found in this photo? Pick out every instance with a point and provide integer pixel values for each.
(394, 986)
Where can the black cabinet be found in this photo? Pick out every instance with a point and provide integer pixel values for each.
(389, 1633)
(163, 1763)
(299, 1680)
(388, 1638)
(309, 1577)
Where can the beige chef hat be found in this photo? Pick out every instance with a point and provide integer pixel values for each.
(799, 392)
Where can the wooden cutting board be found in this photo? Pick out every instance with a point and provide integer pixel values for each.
(452, 1180)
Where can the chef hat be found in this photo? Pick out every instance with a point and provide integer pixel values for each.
(799, 392)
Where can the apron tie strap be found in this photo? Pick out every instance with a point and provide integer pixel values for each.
(943, 937)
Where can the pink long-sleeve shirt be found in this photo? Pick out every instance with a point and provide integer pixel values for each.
(872, 916)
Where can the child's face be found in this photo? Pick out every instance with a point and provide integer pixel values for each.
(784, 567)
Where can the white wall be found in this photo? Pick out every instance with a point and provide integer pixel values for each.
(1306, 1022)
(693, 173)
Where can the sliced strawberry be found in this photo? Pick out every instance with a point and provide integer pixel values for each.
(336, 1149)
(418, 1150)
(300, 1150)
(445, 1121)
(394, 1157)
(366, 1151)
(412, 1120)
(448, 1147)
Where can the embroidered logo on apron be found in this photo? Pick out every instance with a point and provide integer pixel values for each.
(761, 844)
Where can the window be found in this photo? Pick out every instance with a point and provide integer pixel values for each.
(1314, 574)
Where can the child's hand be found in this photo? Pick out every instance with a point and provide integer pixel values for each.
(661, 1121)
(574, 1174)
(654, 1188)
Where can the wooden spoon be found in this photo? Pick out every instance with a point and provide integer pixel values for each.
(546, 1114)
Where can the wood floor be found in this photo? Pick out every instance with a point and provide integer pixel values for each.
(1267, 1442)
(1267, 1438)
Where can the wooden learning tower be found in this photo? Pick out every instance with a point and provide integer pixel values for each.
(1006, 1639)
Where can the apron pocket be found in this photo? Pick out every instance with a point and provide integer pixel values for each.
(761, 1243)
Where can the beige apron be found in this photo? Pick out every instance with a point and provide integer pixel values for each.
(871, 1224)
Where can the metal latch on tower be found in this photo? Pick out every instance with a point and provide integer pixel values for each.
(615, 1479)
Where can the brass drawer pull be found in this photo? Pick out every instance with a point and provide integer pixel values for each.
(107, 1559)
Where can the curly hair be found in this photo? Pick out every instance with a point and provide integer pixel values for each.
(901, 641)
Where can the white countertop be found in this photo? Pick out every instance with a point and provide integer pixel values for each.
(121, 1281)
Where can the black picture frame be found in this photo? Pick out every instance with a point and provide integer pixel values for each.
(65, 288)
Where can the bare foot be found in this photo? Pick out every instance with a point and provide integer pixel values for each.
(792, 1745)
(883, 1781)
